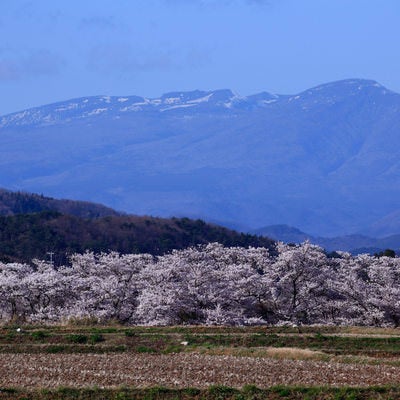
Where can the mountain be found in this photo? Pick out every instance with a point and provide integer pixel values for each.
(284, 233)
(326, 160)
(12, 203)
(27, 236)
(355, 244)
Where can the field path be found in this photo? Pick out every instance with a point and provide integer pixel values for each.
(181, 370)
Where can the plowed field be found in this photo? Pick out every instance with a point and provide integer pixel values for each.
(182, 370)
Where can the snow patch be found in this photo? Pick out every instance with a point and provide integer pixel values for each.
(232, 100)
(48, 118)
(201, 99)
(133, 107)
(143, 103)
(97, 111)
(70, 106)
(123, 99)
(178, 106)
(156, 102)
(172, 100)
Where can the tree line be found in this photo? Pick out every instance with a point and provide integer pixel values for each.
(209, 284)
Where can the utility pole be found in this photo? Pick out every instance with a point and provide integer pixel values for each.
(51, 254)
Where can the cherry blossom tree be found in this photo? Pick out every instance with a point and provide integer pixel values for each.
(298, 283)
(209, 284)
(105, 286)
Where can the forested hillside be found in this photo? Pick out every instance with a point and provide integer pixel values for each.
(27, 236)
(24, 203)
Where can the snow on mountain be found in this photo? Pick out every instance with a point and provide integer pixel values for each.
(64, 112)
(325, 160)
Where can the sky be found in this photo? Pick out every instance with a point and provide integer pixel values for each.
(57, 50)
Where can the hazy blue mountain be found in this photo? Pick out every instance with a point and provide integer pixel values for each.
(355, 244)
(326, 160)
(284, 233)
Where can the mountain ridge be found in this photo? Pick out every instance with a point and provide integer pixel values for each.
(51, 113)
(325, 160)
(354, 243)
(172, 100)
(12, 203)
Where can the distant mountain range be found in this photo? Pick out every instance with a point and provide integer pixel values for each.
(326, 160)
(355, 244)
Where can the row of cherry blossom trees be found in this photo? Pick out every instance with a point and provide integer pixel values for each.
(207, 285)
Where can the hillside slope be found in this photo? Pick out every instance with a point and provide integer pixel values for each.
(12, 203)
(27, 236)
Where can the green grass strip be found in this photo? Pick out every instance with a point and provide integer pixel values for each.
(248, 392)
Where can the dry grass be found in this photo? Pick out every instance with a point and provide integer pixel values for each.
(369, 331)
(279, 353)
(294, 353)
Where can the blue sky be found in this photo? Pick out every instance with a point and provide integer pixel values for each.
(56, 50)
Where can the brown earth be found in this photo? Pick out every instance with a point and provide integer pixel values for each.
(182, 370)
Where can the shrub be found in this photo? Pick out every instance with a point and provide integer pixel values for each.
(39, 335)
(77, 338)
(96, 338)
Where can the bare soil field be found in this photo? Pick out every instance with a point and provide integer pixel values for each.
(182, 370)
(102, 362)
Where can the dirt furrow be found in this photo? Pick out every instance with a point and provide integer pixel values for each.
(181, 370)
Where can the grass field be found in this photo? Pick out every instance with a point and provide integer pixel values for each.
(115, 362)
